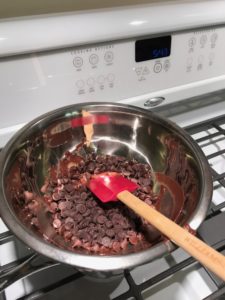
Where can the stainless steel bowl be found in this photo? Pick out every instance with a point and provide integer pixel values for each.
(131, 132)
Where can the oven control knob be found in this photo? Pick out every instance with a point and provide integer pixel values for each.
(157, 67)
(80, 84)
(78, 62)
(166, 65)
(101, 79)
(111, 77)
(192, 42)
(93, 59)
(154, 101)
(203, 40)
(214, 38)
(90, 81)
(109, 56)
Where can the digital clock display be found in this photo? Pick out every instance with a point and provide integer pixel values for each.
(152, 48)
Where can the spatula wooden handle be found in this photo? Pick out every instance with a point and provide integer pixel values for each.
(206, 255)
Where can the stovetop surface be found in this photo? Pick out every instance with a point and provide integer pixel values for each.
(151, 281)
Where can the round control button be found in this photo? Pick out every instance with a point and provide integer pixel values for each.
(111, 77)
(80, 84)
(78, 61)
(90, 81)
(145, 71)
(93, 59)
(166, 65)
(157, 67)
(108, 56)
(211, 56)
(101, 79)
(200, 62)
(189, 61)
(192, 42)
(138, 70)
(203, 40)
(213, 38)
(200, 59)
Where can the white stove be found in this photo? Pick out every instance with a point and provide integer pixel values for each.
(166, 57)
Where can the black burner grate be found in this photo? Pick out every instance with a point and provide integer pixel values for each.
(215, 130)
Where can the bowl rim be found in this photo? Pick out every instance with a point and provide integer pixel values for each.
(98, 262)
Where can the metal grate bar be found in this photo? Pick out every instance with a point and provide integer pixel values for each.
(218, 295)
(10, 266)
(6, 237)
(221, 130)
(135, 290)
(210, 136)
(216, 176)
(167, 273)
(205, 125)
(55, 285)
(221, 152)
(193, 129)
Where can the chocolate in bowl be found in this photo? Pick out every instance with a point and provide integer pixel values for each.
(84, 221)
(132, 133)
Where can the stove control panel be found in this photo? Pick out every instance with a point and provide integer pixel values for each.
(147, 71)
(147, 65)
(95, 69)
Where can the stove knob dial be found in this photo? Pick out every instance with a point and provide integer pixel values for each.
(154, 101)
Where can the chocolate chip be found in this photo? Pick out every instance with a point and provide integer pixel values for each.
(116, 246)
(148, 201)
(69, 188)
(90, 203)
(69, 197)
(53, 207)
(145, 181)
(91, 167)
(69, 225)
(116, 218)
(80, 218)
(69, 220)
(84, 196)
(101, 230)
(87, 213)
(84, 223)
(121, 235)
(65, 213)
(81, 208)
(110, 233)
(147, 189)
(67, 235)
(101, 219)
(106, 241)
(133, 240)
(108, 224)
(34, 221)
(62, 205)
(142, 196)
(84, 235)
(94, 233)
(62, 194)
(64, 180)
(56, 223)
(56, 196)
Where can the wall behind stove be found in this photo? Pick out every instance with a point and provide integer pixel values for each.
(17, 8)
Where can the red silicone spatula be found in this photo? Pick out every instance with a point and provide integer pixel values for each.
(112, 187)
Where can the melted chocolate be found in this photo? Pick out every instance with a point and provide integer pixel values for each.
(80, 222)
